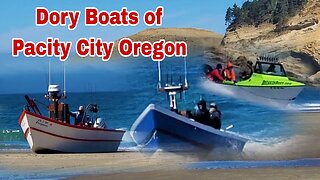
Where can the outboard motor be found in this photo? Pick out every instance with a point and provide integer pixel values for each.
(53, 92)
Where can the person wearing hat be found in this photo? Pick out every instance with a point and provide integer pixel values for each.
(78, 116)
(201, 114)
(215, 116)
(215, 75)
(229, 73)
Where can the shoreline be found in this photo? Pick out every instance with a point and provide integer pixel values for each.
(264, 173)
(135, 165)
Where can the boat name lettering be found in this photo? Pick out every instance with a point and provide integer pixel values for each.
(42, 123)
(275, 83)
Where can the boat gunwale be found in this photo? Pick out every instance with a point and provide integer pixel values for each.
(73, 139)
(262, 86)
(65, 124)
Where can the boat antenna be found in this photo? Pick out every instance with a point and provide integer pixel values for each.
(64, 81)
(171, 89)
(159, 74)
(49, 75)
(185, 72)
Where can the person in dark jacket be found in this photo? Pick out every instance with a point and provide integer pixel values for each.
(246, 70)
(215, 116)
(201, 114)
(79, 116)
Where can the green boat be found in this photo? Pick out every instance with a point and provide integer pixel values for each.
(268, 81)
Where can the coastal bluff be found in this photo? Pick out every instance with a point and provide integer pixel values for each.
(199, 41)
(295, 41)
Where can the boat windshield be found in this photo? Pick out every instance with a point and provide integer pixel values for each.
(269, 68)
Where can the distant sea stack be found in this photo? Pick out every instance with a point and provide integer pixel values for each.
(294, 36)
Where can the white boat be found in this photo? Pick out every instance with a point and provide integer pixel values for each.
(47, 135)
(55, 133)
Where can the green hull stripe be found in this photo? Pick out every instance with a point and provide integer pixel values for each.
(264, 80)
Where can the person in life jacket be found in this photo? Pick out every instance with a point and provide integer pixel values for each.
(215, 75)
(229, 73)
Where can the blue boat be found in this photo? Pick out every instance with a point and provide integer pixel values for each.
(160, 128)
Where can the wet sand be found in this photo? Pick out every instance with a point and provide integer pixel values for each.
(263, 173)
(133, 165)
(32, 165)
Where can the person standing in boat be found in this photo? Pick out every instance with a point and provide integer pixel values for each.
(79, 116)
(201, 114)
(215, 116)
(216, 74)
(246, 70)
(229, 72)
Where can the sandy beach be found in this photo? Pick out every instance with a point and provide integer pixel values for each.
(132, 165)
(30, 165)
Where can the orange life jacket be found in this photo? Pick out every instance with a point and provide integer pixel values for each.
(229, 74)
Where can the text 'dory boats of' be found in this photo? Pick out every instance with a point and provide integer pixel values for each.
(168, 130)
(267, 82)
(55, 134)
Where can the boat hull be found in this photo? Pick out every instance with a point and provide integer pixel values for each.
(47, 135)
(163, 129)
(282, 95)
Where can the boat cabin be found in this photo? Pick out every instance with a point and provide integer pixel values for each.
(269, 68)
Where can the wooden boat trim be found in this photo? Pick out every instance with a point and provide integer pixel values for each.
(64, 124)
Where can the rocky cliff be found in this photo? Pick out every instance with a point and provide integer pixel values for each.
(296, 42)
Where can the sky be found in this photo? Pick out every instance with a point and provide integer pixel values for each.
(18, 20)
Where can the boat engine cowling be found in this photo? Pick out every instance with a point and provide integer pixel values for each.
(53, 92)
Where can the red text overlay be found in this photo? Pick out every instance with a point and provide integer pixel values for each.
(96, 47)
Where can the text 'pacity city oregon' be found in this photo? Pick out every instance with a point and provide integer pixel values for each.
(96, 47)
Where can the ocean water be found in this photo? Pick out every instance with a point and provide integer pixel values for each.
(259, 123)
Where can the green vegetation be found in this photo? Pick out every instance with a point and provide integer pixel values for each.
(256, 12)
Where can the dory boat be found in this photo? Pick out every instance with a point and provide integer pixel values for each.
(264, 84)
(159, 128)
(55, 134)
